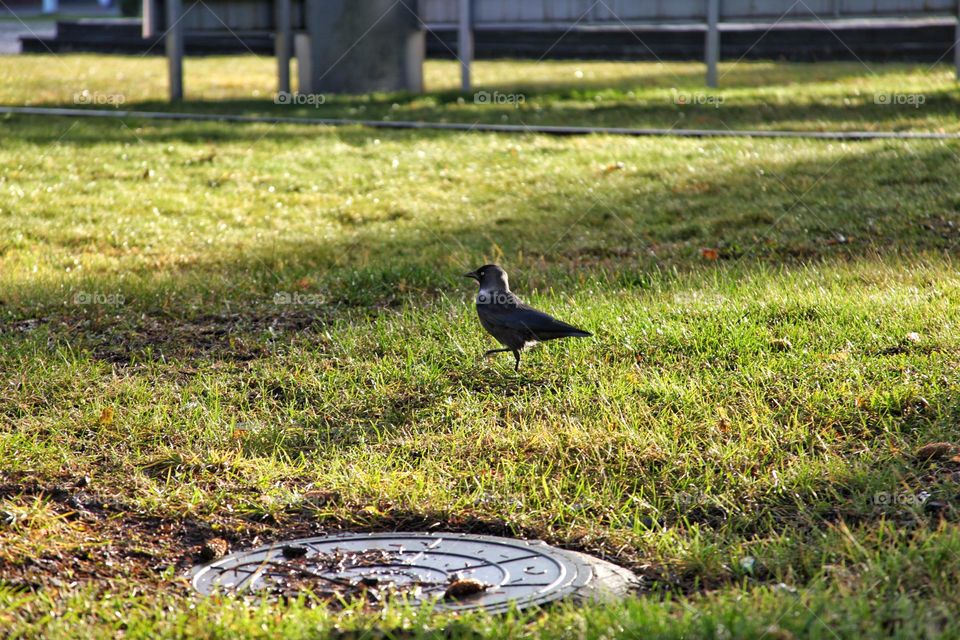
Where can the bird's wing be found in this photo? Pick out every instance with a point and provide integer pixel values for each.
(536, 325)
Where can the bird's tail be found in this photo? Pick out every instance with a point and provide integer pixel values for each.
(565, 332)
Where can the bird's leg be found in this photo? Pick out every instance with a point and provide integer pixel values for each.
(516, 354)
(493, 351)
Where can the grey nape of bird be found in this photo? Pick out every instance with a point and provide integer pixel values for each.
(514, 324)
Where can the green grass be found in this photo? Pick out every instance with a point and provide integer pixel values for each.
(740, 431)
(758, 95)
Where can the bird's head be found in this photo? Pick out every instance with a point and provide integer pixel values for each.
(491, 278)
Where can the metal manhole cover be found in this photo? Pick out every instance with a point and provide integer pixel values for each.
(417, 566)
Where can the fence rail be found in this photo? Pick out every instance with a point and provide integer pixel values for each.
(466, 16)
(470, 15)
(601, 12)
(253, 15)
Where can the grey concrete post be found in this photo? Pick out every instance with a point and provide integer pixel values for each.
(956, 43)
(283, 42)
(358, 47)
(712, 42)
(465, 43)
(174, 44)
(148, 24)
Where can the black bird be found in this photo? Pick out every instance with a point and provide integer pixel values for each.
(512, 323)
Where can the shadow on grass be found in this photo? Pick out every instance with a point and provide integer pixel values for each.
(877, 199)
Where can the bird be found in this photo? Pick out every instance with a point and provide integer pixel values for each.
(514, 324)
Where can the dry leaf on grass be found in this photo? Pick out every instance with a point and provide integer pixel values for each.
(781, 344)
(935, 451)
(214, 549)
(710, 254)
(464, 588)
(615, 166)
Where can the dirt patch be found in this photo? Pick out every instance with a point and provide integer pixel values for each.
(97, 541)
(126, 340)
(108, 540)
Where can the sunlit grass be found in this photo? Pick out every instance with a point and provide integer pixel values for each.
(259, 331)
(753, 95)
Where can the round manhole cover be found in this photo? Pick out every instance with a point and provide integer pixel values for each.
(456, 571)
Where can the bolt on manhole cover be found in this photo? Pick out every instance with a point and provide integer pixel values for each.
(456, 571)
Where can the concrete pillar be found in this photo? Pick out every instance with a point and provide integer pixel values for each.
(358, 47)
(283, 43)
(465, 43)
(149, 19)
(174, 44)
(956, 42)
(712, 44)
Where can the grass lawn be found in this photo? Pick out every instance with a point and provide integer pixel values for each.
(260, 331)
(755, 95)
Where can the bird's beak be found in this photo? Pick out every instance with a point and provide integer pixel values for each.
(472, 274)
